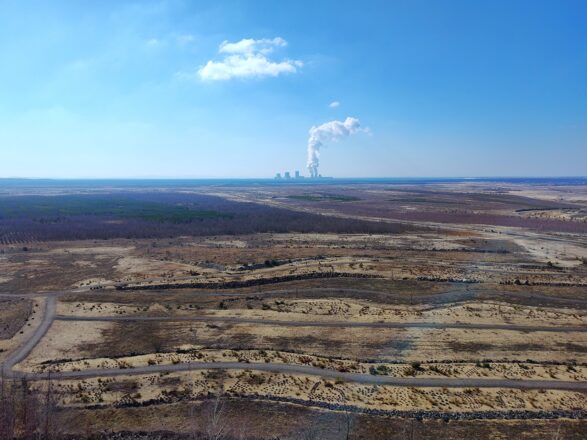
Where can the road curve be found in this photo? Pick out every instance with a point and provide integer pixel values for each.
(49, 315)
(23, 351)
(314, 371)
(399, 325)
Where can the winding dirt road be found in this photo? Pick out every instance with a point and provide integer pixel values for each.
(23, 351)
(315, 371)
(285, 323)
(50, 315)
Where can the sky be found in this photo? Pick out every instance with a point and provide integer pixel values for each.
(203, 89)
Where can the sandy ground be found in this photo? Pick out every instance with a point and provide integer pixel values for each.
(65, 340)
(563, 252)
(22, 335)
(76, 340)
(488, 254)
(190, 385)
(349, 311)
(501, 255)
(193, 354)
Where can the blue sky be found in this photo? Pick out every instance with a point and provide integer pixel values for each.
(231, 88)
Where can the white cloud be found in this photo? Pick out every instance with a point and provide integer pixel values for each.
(248, 58)
(249, 46)
(334, 104)
(236, 66)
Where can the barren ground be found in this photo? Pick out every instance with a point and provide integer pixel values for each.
(482, 283)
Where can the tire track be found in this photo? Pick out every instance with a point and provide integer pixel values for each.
(315, 371)
(23, 351)
(284, 323)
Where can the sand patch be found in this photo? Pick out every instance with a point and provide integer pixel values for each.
(65, 340)
(192, 385)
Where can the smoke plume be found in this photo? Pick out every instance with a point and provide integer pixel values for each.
(329, 131)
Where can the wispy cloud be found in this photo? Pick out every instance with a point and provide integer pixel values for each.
(154, 43)
(170, 41)
(184, 39)
(250, 46)
(334, 104)
(248, 58)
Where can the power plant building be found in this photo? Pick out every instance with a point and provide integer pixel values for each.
(287, 175)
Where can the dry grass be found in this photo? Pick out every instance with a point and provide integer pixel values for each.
(14, 313)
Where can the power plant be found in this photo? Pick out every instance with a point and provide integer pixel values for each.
(287, 176)
(330, 131)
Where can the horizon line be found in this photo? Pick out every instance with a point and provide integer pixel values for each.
(306, 178)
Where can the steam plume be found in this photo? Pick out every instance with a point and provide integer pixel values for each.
(329, 131)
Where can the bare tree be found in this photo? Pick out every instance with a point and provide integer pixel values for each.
(19, 410)
(29, 409)
(347, 425)
(409, 432)
(48, 425)
(241, 432)
(193, 423)
(7, 409)
(556, 435)
(312, 432)
(216, 420)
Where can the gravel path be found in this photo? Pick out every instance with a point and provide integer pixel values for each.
(286, 323)
(23, 351)
(49, 315)
(316, 371)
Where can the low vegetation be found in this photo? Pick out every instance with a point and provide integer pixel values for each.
(156, 215)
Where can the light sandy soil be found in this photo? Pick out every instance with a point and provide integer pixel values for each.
(578, 215)
(488, 254)
(420, 241)
(449, 252)
(92, 282)
(131, 389)
(132, 266)
(81, 250)
(572, 194)
(65, 340)
(81, 340)
(349, 311)
(485, 256)
(191, 354)
(227, 243)
(564, 252)
(33, 320)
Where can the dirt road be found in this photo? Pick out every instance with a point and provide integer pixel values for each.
(286, 323)
(315, 371)
(49, 316)
(23, 351)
